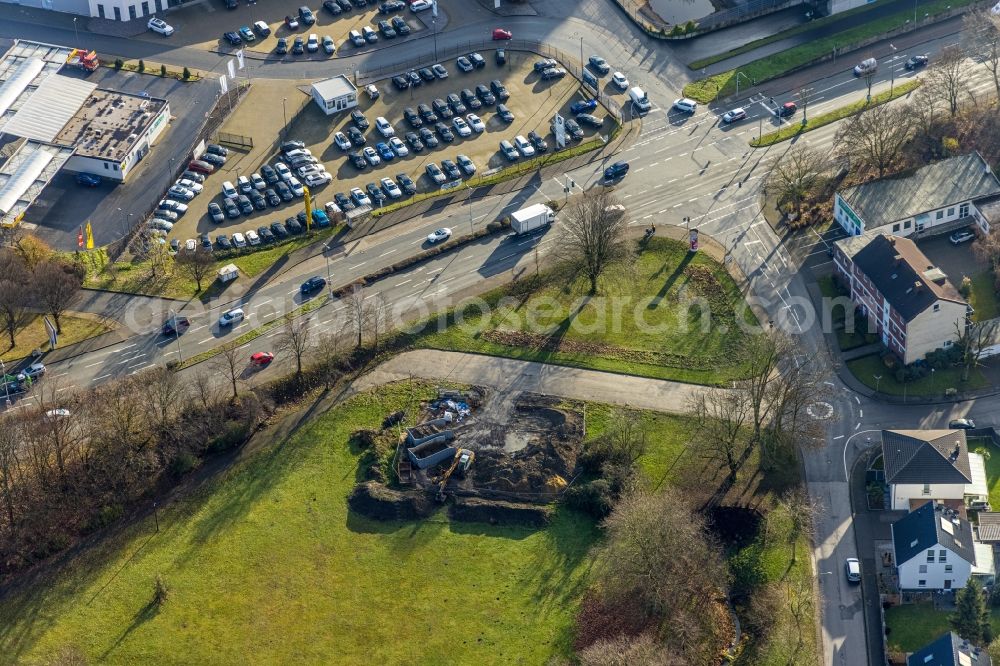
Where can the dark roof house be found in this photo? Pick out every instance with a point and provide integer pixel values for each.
(950, 650)
(926, 456)
(929, 527)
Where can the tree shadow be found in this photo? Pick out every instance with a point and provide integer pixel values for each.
(671, 279)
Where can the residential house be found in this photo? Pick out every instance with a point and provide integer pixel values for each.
(931, 465)
(950, 650)
(934, 199)
(909, 302)
(934, 549)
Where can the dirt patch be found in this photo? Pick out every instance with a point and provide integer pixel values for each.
(475, 510)
(374, 500)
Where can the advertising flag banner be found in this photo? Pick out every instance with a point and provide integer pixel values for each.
(239, 58)
(79, 238)
(223, 84)
(693, 239)
(231, 68)
(309, 208)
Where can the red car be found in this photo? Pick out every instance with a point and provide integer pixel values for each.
(500, 33)
(200, 166)
(260, 359)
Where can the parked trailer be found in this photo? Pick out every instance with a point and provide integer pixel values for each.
(533, 217)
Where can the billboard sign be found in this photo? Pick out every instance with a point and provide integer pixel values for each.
(560, 131)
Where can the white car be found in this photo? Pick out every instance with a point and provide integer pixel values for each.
(686, 105)
(182, 193)
(384, 127)
(342, 142)
(398, 146)
(304, 171)
(359, 197)
(312, 44)
(157, 223)
(234, 316)
(731, 116)
(476, 123)
(190, 245)
(523, 146)
(466, 164)
(175, 206)
(160, 26)
(191, 185)
(438, 235)
(461, 126)
(252, 237)
(259, 183)
(296, 186)
(420, 5)
(244, 185)
(239, 240)
(35, 370)
(318, 178)
(284, 173)
(229, 190)
(390, 187)
(620, 81)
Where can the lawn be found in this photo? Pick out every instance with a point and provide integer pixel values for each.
(992, 466)
(984, 297)
(934, 384)
(34, 336)
(913, 626)
(267, 561)
(673, 315)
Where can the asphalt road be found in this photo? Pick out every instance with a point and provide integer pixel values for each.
(682, 166)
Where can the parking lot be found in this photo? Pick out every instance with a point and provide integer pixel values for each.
(532, 101)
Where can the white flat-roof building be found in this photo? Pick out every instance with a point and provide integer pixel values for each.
(335, 94)
(118, 10)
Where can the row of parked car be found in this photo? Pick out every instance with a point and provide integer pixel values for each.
(184, 190)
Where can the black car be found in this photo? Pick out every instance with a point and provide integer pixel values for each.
(293, 226)
(258, 200)
(401, 82)
(500, 90)
(916, 62)
(470, 99)
(223, 242)
(428, 138)
(485, 94)
(215, 212)
(281, 48)
(455, 102)
(414, 79)
(414, 142)
(616, 170)
(444, 132)
(216, 149)
(504, 113)
(441, 108)
(375, 193)
(358, 160)
(501, 57)
(175, 325)
(272, 197)
(356, 137)
(412, 117)
(265, 234)
(343, 201)
(451, 170)
(386, 29)
(537, 141)
(298, 46)
(427, 74)
(279, 230)
(359, 3)
(406, 183)
(402, 28)
(269, 175)
(332, 7)
(291, 144)
(478, 61)
(306, 15)
(599, 65)
(206, 242)
(193, 175)
(390, 6)
(233, 37)
(345, 5)
(284, 191)
(573, 129)
(590, 120)
(232, 210)
(244, 203)
(426, 113)
(359, 120)
(315, 283)
(232, 4)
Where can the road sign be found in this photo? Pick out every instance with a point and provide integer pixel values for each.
(560, 131)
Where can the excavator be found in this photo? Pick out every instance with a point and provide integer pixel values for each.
(461, 462)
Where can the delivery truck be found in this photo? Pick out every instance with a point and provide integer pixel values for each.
(533, 217)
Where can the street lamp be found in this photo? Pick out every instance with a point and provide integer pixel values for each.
(6, 385)
(285, 117)
(434, 29)
(878, 378)
(76, 34)
(892, 70)
(329, 278)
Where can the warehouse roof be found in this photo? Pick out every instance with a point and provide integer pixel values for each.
(23, 177)
(43, 115)
(109, 123)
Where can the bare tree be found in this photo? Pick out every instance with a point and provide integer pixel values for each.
(10, 442)
(795, 175)
(32, 250)
(204, 390)
(800, 604)
(764, 353)
(231, 361)
(378, 317)
(62, 434)
(196, 264)
(357, 311)
(15, 303)
(156, 254)
(981, 39)
(801, 510)
(722, 418)
(56, 284)
(165, 395)
(644, 649)
(593, 238)
(986, 247)
(789, 396)
(294, 338)
(973, 339)
(949, 77)
(331, 354)
(875, 138)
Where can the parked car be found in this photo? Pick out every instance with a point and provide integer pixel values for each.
(391, 6)
(375, 193)
(359, 120)
(590, 120)
(414, 142)
(160, 26)
(961, 236)
(390, 188)
(553, 73)
(523, 146)
(369, 34)
(507, 150)
(332, 7)
(223, 242)
(359, 197)
(428, 138)
(439, 71)
(476, 123)
(291, 22)
(312, 44)
(414, 79)
(464, 64)
(284, 173)
(434, 173)
(573, 129)
(216, 149)
(356, 137)
(215, 212)
(232, 37)
(243, 201)
(232, 210)
(455, 103)
(357, 39)
(485, 94)
(444, 132)
(620, 81)
(582, 106)
(406, 183)
(500, 90)
(466, 164)
(298, 46)
(412, 117)
(599, 65)
(451, 170)
(247, 34)
(88, 179)
(426, 113)
(329, 46)
(441, 108)
(265, 233)
(371, 156)
(470, 100)
(852, 568)
(401, 26)
(420, 5)
(461, 126)
(962, 424)
(386, 29)
(272, 197)
(504, 113)
(401, 82)
(261, 29)
(318, 179)
(279, 230)
(501, 57)
(427, 74)
(398, 147)
(306, 15)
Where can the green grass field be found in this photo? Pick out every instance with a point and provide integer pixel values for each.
(934, 384)
(34, 336)
(984, 297)
(915, 625)
(673, 315)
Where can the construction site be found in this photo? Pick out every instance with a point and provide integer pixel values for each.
(458, 449)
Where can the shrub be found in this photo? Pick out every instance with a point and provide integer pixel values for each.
(160, 590)
(966, 287)
(690, 27)
(183, 463)
(747, 570)
(163, 71)
(107, 515)
(119, 63)
(593, 498)
(186, 74)
(676, 31)
(141, 67)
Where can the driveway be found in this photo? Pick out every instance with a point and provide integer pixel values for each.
(955, 261)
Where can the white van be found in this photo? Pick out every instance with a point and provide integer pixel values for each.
(639, 99)
(866, 67)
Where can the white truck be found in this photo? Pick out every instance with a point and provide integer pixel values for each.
(533, 217)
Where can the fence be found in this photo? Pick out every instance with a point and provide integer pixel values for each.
(238, 140)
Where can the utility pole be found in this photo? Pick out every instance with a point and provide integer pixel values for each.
(329, 276)
(892, 70)
(284, 115)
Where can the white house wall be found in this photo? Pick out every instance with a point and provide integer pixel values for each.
(935, 576)
(902, 493)
(930, 330)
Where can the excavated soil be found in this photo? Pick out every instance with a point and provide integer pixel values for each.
(374, 500)
(474, 510)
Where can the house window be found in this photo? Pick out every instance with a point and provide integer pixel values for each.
(939, 215)
(947, 568)
(937, 306)
(118, 13)
(106, 167)
(923, 568)
(951, 211)
(927, 491)
(930, 555)
(100, 11)
(921, 583)
(963, 210)
(131, 12)
(895, 227)
(906, 225)
(942, 555)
